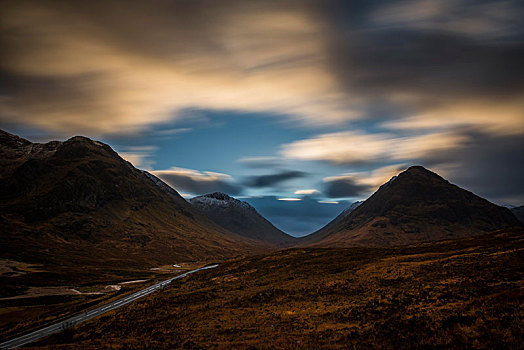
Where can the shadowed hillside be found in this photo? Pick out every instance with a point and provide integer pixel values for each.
(78, 202)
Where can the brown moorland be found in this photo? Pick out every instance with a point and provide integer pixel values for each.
(464, 293)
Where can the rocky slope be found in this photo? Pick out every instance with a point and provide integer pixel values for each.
(417, 205)
(241, 218)
(79, 201)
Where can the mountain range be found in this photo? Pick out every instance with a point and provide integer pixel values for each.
(78, 201)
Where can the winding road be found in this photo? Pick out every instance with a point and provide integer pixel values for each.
(59, 326)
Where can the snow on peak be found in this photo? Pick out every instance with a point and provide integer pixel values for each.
(218, 199)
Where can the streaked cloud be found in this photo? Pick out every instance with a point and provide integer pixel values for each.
(509, 118)
(486, 18)
(344, 187)
(351, 147)
(139, 156)
(261, 181)
(198, 182)
(93, 66)
(173, 131)
(289, 199)
(308, 191)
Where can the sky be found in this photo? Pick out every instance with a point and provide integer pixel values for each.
(297, 107)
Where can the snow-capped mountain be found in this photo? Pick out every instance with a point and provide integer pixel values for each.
(240, 217)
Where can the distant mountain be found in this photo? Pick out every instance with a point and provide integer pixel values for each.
(241, 218)
(417, 205)
(518, 212)
(79, 201)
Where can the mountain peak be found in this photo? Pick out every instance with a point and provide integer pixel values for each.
(239, 217)
(218, 195)
(417, 205)
(418, 170)
(79, 138)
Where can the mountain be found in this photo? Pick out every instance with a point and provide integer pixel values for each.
(417, 205)
(518, 212)
(241, 218)
(78, 201)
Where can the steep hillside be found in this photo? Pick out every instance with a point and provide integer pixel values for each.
(241, 218)
(417, 205)
(78, 201)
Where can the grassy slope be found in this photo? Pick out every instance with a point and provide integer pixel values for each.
(452, 294)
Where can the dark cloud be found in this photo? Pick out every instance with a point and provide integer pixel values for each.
(297, 218)
(344, 188)
(425, 63)
(491, 167)
(198, 185)
(261, 181)
(459, 50)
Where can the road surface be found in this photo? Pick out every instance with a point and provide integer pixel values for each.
(57, 327)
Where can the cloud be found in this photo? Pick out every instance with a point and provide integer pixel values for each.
(172, 131)
(473, 114)
(352, 147)
(344, 187)
(94, 67)
(139, 156)
(491, 167)
(445, 60)
(308, 191)
(197, 182)
(491, 19)
(261, 181)
(360, 184)
(378, 176)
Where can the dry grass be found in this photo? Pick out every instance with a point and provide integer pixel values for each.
(458, 294)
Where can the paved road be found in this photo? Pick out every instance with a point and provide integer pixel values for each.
(57, 327)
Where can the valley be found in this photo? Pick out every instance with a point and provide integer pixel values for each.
(420, 262)
(449, 294)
